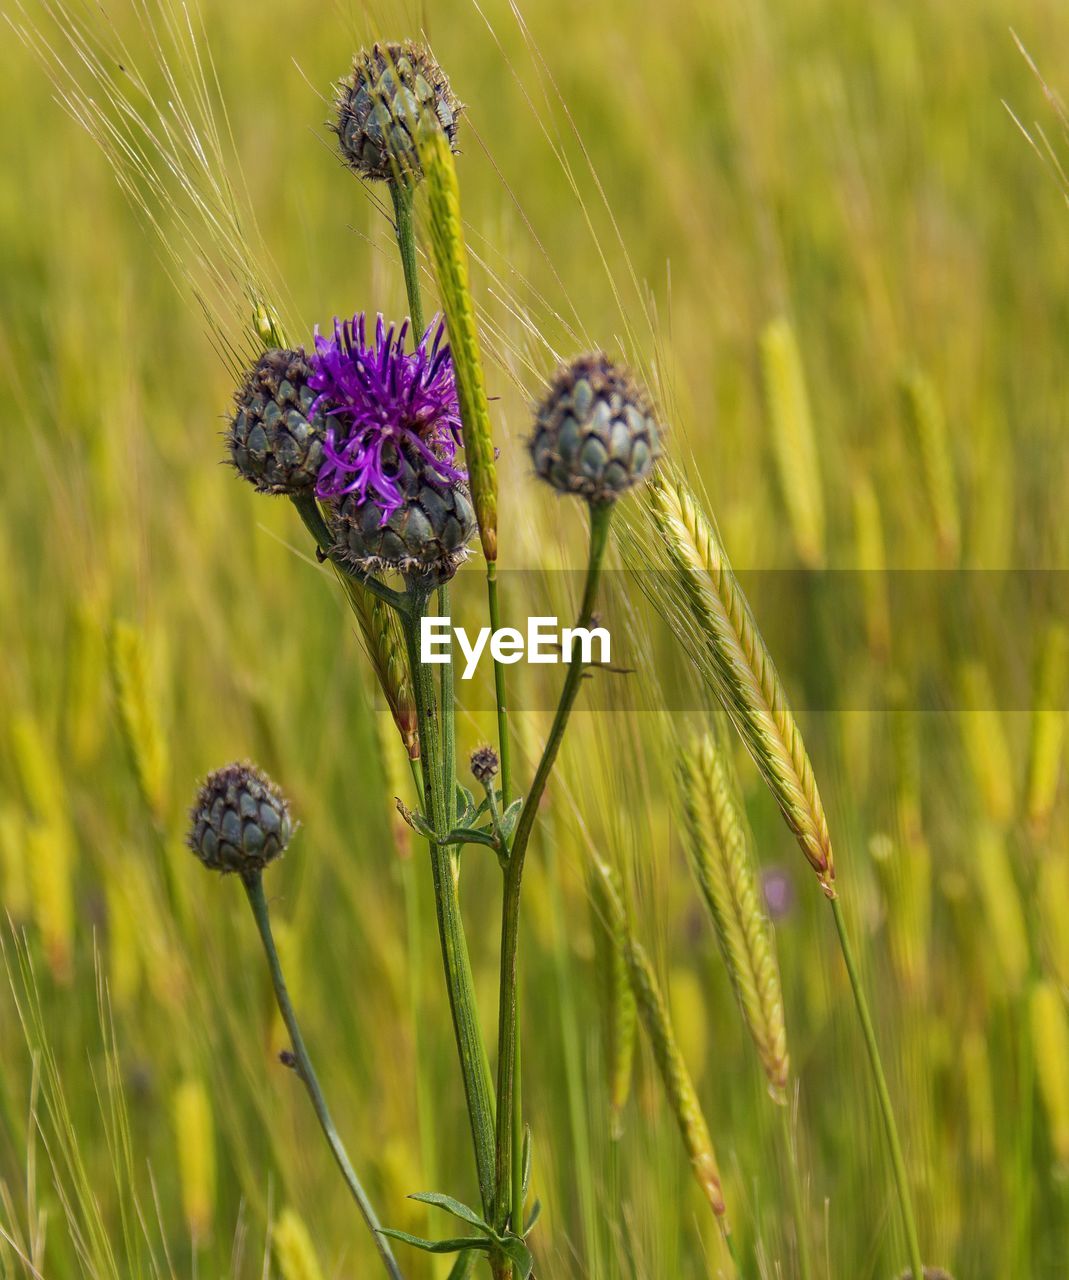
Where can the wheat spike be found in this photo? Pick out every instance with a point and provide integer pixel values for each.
(722, 857)
(621, 1014)
(1050, 1044)
(451, 265)
(1048, 728)
(924, 411)
(14, 865)
(1002, 907)
(733, 654)
(678, 1086)
(384, 645)
(871, 561)
(1052, 895)
(795, 447)
(138, 716)
(294, 1251)
(986, 748)
(195, 1146)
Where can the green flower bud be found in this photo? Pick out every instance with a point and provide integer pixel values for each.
(391, 90)
(240, 820)
(275, 439)
(596, 433)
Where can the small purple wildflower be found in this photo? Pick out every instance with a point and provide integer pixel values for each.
(379, 400)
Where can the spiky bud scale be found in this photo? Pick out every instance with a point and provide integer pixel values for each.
(427, 534)
(390, 93)
(277, 432)
(596, 433)
(240, 820)
(484, 765)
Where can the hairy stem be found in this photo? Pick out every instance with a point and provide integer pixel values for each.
(883, 1094)
(508, 1021)
(406, 243)
(254, 888)
(445, 869)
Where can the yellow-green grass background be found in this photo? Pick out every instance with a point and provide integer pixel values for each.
(661, 182)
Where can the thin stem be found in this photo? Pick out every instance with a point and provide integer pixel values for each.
(508, 1019)
(406, 242)
(504, 749)
(449, 732)
(445, 869)
(883, 1094)
(797, 1194)
(254, 888)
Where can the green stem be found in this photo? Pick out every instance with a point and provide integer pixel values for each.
(445, 869)
(508, 1013)
(797, 1194)
(406, 242)
(503, 747)
(254, 888)
(883, 1094)
(449, 731)
(505, 756)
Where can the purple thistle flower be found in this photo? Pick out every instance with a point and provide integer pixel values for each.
(380, 400)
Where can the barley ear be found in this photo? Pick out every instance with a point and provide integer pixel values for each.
(924, 413)
(720, 848)
(293, 1248)
(1050, 1045)
(678, 1086)
(451, 266)
(733, 656)
(794, 443)
(194, 1133)
(138, 717)
(1048, 728)
(621, 1014)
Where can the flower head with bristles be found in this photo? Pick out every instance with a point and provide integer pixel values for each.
(380, 401)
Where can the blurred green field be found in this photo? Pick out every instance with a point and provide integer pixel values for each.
(663, 184)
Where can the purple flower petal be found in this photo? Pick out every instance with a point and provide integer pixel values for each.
(381, 401)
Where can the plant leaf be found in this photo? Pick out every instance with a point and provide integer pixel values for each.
(533, 1216)
(456, 1207)
(438, 1246)
(510, 817)
(518, 1253)
(471, 835)
(415, 820)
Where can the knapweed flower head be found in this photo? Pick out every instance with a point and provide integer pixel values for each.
(484, 764)
(240, 821)
(596, 432)
(276, 434)
(380, 403)
(392, 92)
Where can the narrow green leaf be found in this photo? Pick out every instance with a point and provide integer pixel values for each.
(456, 1207)
(438, 1246)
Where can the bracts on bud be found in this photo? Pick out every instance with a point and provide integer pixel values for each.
(276, 435)
(596, 433)
(392, 93)
(240, 821)
(484, 765)
(426, 535)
